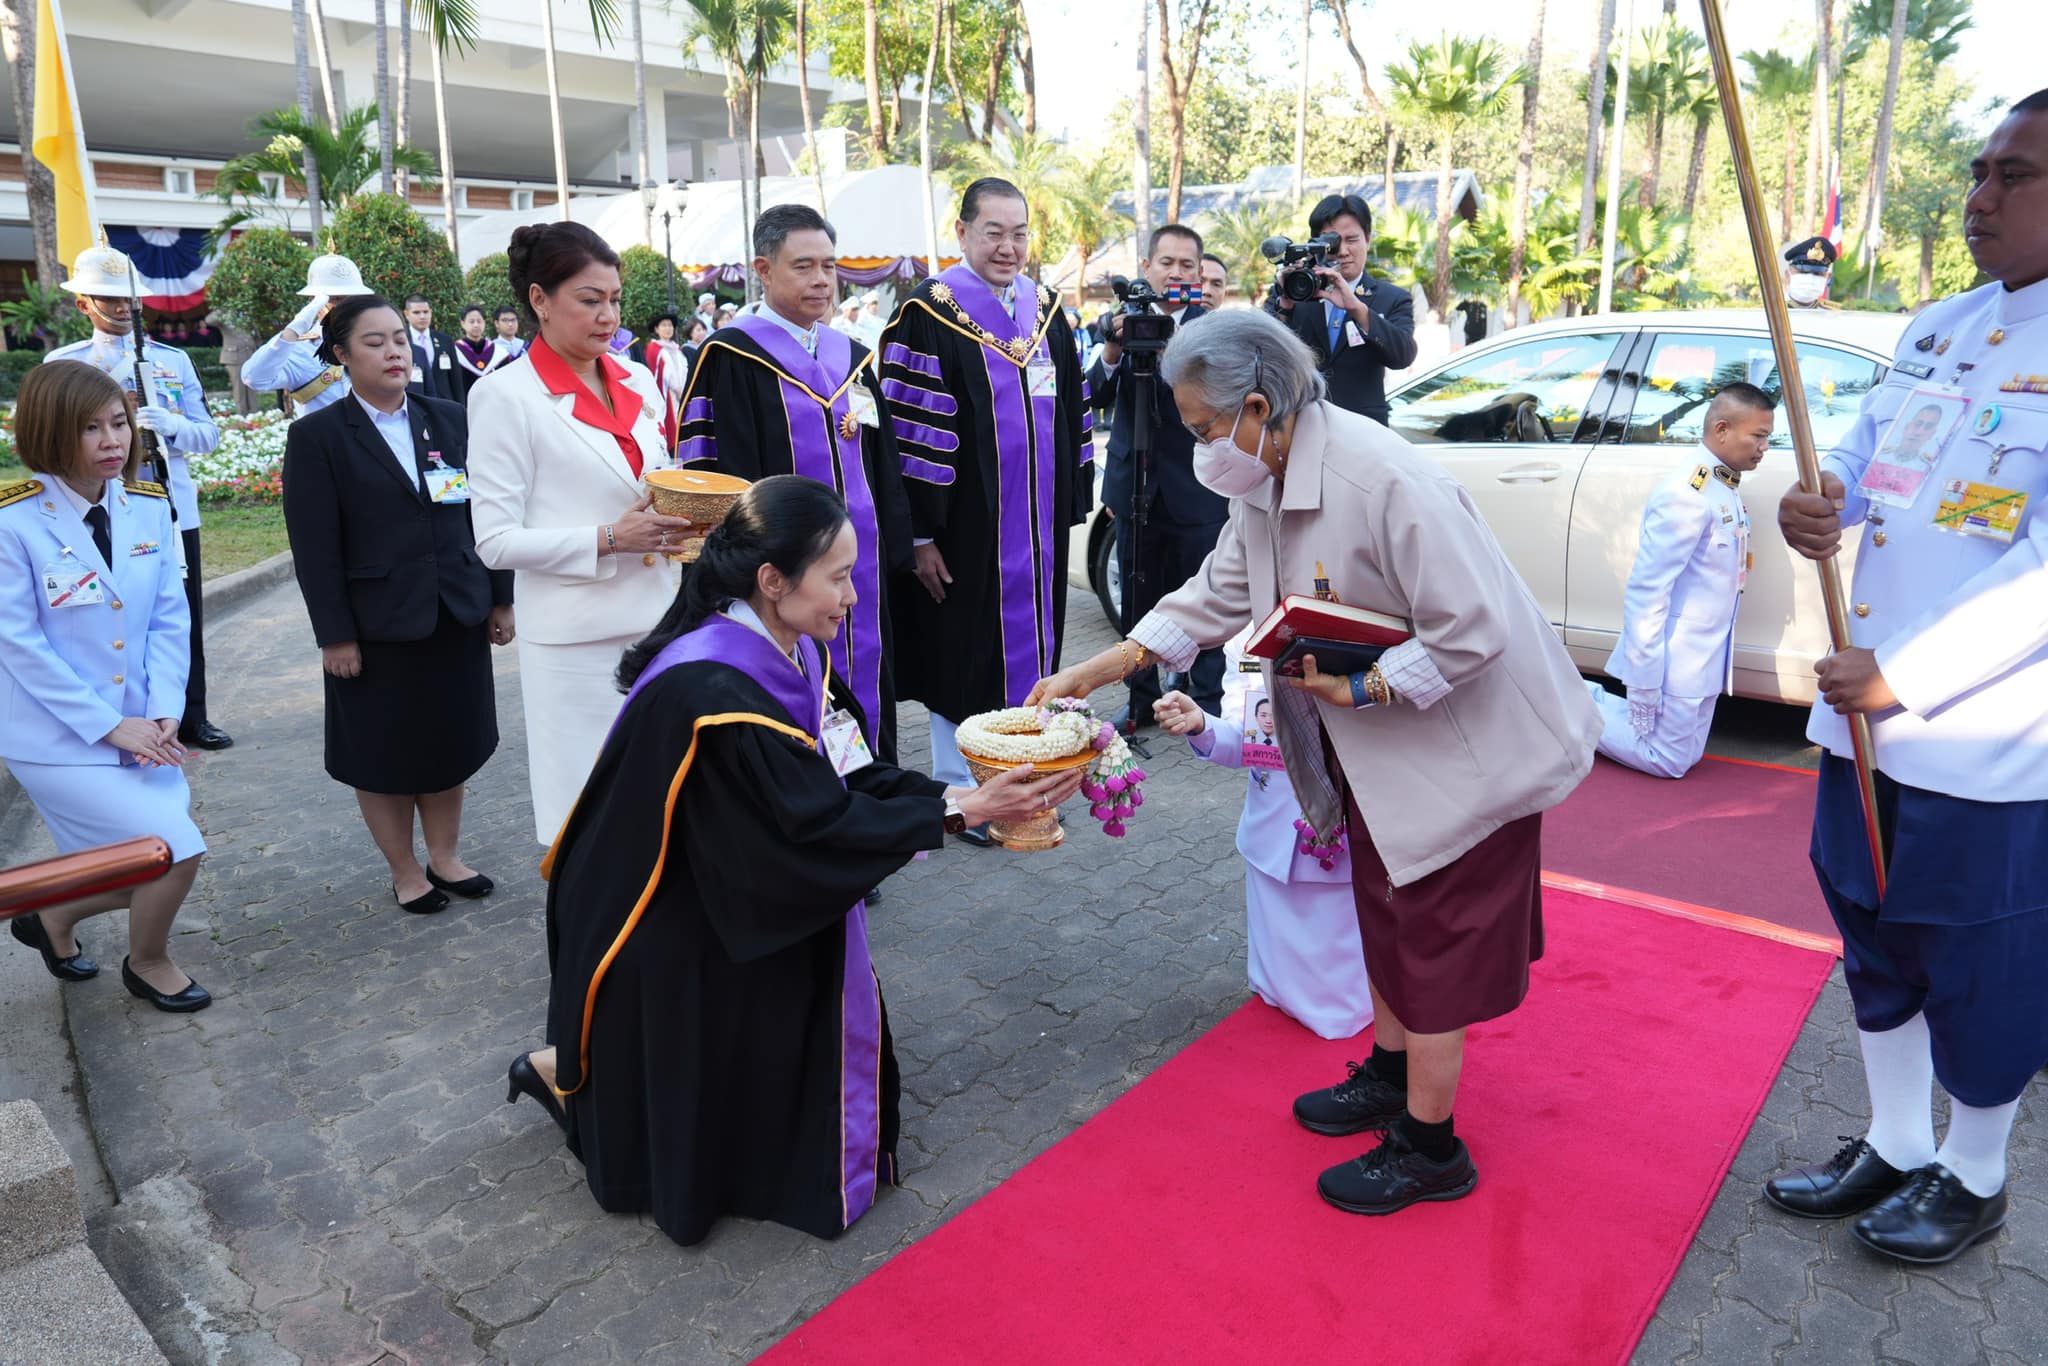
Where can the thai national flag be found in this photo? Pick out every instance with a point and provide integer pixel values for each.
(172, 262)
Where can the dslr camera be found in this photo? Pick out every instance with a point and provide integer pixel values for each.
(1147, 332)
(1302, 264)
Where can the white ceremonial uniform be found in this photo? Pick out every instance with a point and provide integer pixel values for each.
(1678, 620)
(83, 645)
(1303, 953)
(295, 367)
(1959, 619)
(175, 385)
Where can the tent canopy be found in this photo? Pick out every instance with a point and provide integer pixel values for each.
(875, 211)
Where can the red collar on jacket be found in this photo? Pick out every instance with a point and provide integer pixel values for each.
(618, 420)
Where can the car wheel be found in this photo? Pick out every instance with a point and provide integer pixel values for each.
(1105, 575)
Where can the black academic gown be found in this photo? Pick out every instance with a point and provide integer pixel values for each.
(720, 857)
(996, 476)
(758, 405)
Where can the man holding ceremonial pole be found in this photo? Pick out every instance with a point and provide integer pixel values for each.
(780, 392)
(1944, 949)
(985, 392)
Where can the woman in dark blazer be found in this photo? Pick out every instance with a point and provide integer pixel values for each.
(376, 501)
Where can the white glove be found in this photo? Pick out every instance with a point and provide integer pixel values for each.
(161, 420)
(309, 316)
(1643, 706)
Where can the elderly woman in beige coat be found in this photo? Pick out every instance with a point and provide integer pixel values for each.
(1441, 758)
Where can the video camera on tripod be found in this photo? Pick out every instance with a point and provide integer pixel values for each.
(1145, 332)
(1302, 264)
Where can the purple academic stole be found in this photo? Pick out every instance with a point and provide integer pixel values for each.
(1026, 467)
(801, 696)
(823, 451)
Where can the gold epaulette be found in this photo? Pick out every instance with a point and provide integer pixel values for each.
(145, 488)
(15, 492)
(1699, 478)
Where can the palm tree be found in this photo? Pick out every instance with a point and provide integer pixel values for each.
(1038, 167)
(1649, 254)
(1696, 98)
(316, 25)
(450, 24)
(18, 37)
(1525, 166)
(1938, 25)
(402, 101)
(745, 36)
(310, 174)
(344, 162)
(803, 91)
(1823, 72)
(1079, 213)
(871, 74)
(1447, 86)
(1778, 82)
(604, 20)
(1885, 113)
(1596, 104)
(386, 135)
(1235, 234)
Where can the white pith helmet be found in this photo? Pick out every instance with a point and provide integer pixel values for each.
(104, 272)
(333, 275)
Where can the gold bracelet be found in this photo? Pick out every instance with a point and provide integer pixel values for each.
(1377, 688)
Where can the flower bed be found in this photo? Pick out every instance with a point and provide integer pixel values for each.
(247, 466)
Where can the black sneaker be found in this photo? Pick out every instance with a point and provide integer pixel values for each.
(1394, 1176)
(1359, 1102)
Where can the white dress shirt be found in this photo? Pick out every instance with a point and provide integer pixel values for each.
(396, 429)
(79, 502)
(807, 337)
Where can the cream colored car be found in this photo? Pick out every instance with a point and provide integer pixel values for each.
(1560, 431)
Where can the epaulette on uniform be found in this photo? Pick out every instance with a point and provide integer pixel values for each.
(1699, 478)
(15, 492)
(145, 488)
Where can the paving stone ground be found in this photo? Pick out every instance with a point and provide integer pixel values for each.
(323, 1168)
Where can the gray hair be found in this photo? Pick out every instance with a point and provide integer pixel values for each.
(1222, 357)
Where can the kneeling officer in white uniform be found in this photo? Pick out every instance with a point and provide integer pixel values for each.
(1677, 650)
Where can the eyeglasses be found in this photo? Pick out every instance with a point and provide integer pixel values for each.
(995, 237)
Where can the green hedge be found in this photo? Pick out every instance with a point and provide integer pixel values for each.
(205, 359)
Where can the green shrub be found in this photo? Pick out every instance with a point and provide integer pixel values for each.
(13, 365)
(399, 253)
(643, 288)
(256, 283)
(489, 283)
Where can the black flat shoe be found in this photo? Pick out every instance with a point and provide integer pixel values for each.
(471, 887)
(77, 968)
(520, 1077)
(977, 835)
(205, 735)
(433, 900)
(1932, 1218)
(193, 997)
(1394, 1176)
(1360, 1102)
(1850, 1182)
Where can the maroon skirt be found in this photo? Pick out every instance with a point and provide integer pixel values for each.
(1453, 948)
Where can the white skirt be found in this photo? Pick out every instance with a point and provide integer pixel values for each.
(570, 699)
(92, 804)
(1303, 953)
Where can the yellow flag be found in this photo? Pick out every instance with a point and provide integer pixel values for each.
(60, 140)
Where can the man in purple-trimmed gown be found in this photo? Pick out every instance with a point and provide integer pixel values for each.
(984, 389)
(777, 391)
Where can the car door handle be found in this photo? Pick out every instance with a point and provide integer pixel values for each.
(1530, 474)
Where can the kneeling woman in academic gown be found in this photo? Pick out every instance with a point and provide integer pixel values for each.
(719, 1040)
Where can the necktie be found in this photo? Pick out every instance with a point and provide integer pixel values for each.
(1336, 323)
(811, 343)
(102, 534)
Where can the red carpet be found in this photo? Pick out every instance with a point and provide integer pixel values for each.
(1181, 1224)
(1730, 836)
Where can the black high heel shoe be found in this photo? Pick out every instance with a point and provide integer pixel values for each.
(77, 968)
(520, 1076)
(193, 997)
(471, 887)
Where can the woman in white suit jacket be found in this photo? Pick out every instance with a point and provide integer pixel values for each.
(559, 441)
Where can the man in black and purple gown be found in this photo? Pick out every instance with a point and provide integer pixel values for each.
(985, 392)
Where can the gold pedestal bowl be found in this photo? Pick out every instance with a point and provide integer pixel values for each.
(703, 496)
(1040, 831)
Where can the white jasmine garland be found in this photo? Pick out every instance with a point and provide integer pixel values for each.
(1025, 735)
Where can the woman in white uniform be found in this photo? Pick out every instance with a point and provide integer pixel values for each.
(558, 443)
(94, 648)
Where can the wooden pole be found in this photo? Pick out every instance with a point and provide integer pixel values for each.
(1770, 284)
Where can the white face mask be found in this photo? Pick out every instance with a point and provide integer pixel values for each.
(1805, 288)
(1225, 470)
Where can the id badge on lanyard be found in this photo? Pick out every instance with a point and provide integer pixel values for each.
(844, 745)
(1913, 445)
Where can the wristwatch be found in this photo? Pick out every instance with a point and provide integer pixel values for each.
(956, 819)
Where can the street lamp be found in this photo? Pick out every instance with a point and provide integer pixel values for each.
(672, 209)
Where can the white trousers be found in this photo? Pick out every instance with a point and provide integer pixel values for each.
(570, 699)
(947, 765)
(1673, 745)
(1303, 954)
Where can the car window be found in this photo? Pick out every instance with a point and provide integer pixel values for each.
(1685, 371)
(1535, 391)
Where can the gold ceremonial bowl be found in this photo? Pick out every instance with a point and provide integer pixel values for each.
(1042, 831)
(703, 496)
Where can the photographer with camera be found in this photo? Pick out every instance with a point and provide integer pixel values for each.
(1167, 523)
(1358, 327)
